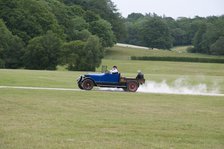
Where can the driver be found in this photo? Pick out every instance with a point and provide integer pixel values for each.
(114, 70)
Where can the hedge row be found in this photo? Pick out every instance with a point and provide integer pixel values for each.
(179, 59)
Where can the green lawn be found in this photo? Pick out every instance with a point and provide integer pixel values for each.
(125, 53)
(210, 74)
(67, 119)
(196, 73)
(103, 119)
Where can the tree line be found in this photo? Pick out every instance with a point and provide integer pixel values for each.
(151, 30)
(46, 33)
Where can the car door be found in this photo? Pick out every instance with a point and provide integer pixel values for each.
(110, 78)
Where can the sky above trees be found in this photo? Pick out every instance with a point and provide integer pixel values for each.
(172, 8)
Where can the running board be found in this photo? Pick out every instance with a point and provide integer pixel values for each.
(112, 86)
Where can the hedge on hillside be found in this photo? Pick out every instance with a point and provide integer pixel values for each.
(179, 59)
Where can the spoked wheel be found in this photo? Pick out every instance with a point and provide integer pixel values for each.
(132, 86)
(87, 84)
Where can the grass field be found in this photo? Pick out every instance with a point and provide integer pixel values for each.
(125, 53)
(65, 119)
(102, 119)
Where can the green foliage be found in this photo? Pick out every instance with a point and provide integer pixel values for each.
(207, 36)
(179, 36)
(70, 21)
(152, 30)
(106, 10)
(10, 48)
(27, 18)
(83, 56)
(72, 54)
(91, 16)
(134, 16)
(218, 47)
(149, 30)
(103, 30)
(155, 34)
(75, 30)
(43, 52)
(198, 39)
(94, 51)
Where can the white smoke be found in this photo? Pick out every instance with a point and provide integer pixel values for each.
(179, 86)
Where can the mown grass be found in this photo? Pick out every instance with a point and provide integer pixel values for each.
(99, 119)
(125, 53)
(65, 119)
(210, 74)
(195, 73)
(35, 78)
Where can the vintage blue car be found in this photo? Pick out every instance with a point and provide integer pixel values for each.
(88, 81)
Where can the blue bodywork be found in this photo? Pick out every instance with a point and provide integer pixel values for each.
(88, 81)
(104, 78)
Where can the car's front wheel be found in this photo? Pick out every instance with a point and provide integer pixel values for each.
(87, 84)
(80, 86)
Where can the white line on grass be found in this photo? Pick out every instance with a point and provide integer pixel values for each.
(39, 88)
(109, 90)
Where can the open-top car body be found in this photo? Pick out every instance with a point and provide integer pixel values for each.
(88, 81)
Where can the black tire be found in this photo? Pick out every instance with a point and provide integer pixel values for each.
(132, 86)
(80, 86)
(87, 84)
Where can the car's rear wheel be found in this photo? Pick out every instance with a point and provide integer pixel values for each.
(132, 86)
(87, 84)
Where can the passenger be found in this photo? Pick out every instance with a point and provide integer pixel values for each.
(114, 70)
(140, 75)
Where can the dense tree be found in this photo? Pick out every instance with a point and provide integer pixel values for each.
(72, 54)
(27, 18)
(155, 34)
(134, 16)
(80, 55)
(165, 31)
(133, 34)
(43, 52)
(218, 47)
(133, 25)
(91, 16)
(179, 36)
(207, 35)
(198, 39)
(94, 53)
(103, 30)
(107, 10)
(10, 48)
(72, 22)
(77, 25)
